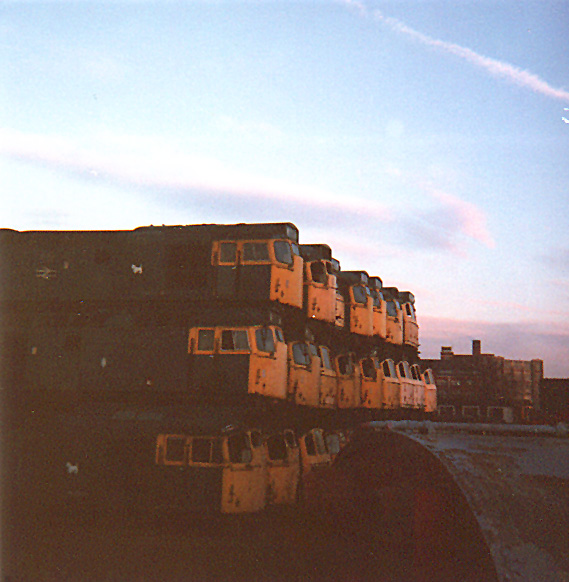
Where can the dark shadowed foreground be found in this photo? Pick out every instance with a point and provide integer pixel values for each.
(274, 545)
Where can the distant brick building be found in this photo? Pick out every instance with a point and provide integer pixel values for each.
(555, 398)
(481, 386)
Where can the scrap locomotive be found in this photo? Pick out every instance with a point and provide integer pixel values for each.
(177, 335)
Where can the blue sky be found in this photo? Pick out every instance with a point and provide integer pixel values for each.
(425, 141)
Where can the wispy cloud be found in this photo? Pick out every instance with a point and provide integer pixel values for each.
(155, 164)
(159, 168)
(495, 67)
(465, 216)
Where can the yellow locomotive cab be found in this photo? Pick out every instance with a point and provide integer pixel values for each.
(313, 452)
(239, 360)
(303, 373)
(410, 325)
(407, 385)
(379, 307)
(394, 333)
(430, 391)
(391, 385)
(328, 385)
(283, 466)
(419, 398)
(224, 473)
(349, 381)
(270, 270)
(320, 282)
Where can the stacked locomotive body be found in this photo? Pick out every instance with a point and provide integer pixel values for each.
(126, 335)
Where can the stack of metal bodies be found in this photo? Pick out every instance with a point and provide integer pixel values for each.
(113, 339)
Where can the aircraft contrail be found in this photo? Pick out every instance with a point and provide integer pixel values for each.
(494, 67)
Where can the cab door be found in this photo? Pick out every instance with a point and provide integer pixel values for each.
(407, 387)
(313, 452)
(328, 386)
(303, 374)
(320, 291)
(268, 368)
(419, 400)
(349, 381)
(430, 391)
(286, 273)
(391, 386)
(226, 269)
(245, 477)
(371, 383)
(283, 465)
(394, 330)
(361, 310)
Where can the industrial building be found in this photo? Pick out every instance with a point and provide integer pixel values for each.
(486, 387)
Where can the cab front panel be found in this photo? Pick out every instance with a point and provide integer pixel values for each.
(191, 488)
(407, 385)
(371, 377)
(410, 326)
(380, 320)
(349, 381)
(340, 310)
(430, 391)
(419, 387)
(254, 283)
(394, 329)
(283, 466)
(219, 377)
(314, 455)
(244, 488)
(328, 389)
(360, 311)
(286, 283)
(245, 476)
(319, 292)
(303, 375)
(257, 270)
(268, 373)
(390, 385)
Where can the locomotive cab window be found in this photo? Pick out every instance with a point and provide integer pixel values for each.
(360, 294)
(290, 439)
(228, 252)
(368, 368)
(234, 340)
(175, 450)
(300, 354)
(318, 272)
(345, 365)
(255, 252)
(392, 308)
(265, 340)
(276, 447)
(325, 358)
(283, 252)
(206, 340)
(239, 448)
(377, 297)
(388, 372)
(201, 450)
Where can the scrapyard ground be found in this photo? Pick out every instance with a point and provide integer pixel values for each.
(275, 545)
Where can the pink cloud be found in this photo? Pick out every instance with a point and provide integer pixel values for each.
(154, 163)
(470, 219)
